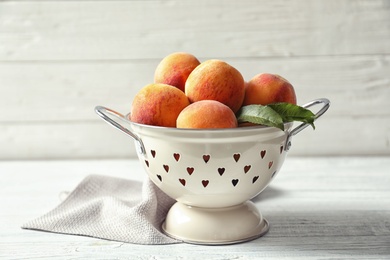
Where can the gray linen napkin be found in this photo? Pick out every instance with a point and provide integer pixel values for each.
(110, 208)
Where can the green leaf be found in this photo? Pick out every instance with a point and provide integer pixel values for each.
(262, 115)
(275, 114)
(290, 112)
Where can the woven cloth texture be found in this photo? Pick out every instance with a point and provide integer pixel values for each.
(110, 208)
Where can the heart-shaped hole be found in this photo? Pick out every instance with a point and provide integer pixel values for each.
(236, 157)
(221, 171)
(190, 170)
(166, 167)
(183, 182)
(147, 163)
(159, 177)
(153, 152)
(255, 179)
(234, 182)
(206, 158)
(270, 164)
(205, 183)
(262, 153)
(281, 149)
(176, 156)
(247, 168)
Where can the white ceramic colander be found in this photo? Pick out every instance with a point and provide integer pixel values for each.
(211, 173)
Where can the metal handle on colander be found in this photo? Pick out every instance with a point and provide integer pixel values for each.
(105, 114)
(325, 105)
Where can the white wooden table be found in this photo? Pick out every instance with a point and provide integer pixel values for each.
(319, 208)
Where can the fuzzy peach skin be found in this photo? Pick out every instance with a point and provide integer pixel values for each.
(266, 88)
(175, 68)
(206, 114)
(158, 104)
(216, 80)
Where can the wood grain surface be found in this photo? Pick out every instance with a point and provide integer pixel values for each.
(318, 208)
(58, 60)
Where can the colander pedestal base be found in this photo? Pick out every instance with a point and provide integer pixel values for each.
(213, 226)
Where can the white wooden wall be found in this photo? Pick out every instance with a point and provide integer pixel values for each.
(59, 59)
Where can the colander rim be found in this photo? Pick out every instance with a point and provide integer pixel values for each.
(287, 125)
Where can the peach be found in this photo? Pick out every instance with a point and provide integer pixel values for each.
(206, 114)
(175, 68)
(158, 104)
(216, 80)
(266, 88)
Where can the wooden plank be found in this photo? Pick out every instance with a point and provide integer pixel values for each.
(69, 91)
(94, 139)
(333, 136)
(106, 30)
(62, 91)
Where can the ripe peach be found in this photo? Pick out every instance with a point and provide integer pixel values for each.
(175, 68)
(158, 104)
(206, 114)
(216, 80)
(266, 88)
